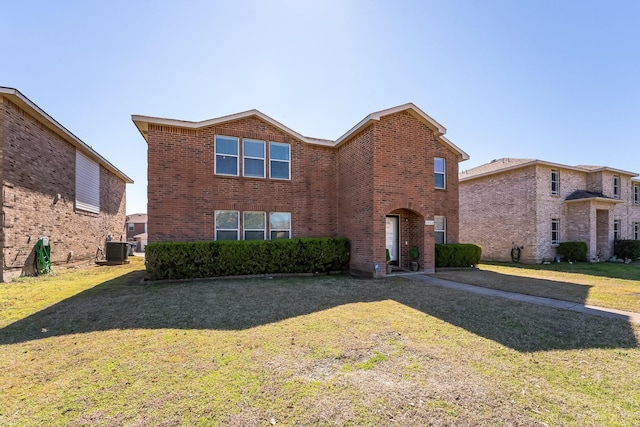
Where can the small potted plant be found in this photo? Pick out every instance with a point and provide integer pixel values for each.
(389, 266)
(415, 255)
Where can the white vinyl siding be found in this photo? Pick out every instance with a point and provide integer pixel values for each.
(87, 183)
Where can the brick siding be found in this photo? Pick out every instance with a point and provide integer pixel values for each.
(37, 165)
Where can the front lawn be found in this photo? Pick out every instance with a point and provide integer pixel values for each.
(601, 284)
(329, 350)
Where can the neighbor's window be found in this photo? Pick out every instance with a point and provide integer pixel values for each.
(555, 183)
(440, 229)
(439, 172)
(87, 183)
(226, 148)
(616, 187)
(617, 227)
(227, 225)
(279, 160)
(555, 231)
(280, 225)
(131, 226)
(636, 230)
(255, 225)
(636, 194)
(253, 158)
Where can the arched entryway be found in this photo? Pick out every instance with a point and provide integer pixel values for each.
(404, 229)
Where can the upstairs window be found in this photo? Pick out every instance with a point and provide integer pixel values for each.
(617, 227)
(131, 226)
(636, 230)
(279, 160)
(555, 231)
(226, 149)
(555, 183)
(280, 225)
(616, 187)
(87, 183)
(636, 194)
(254, 225)
(440, 229)
(227, 225)
(439, 172)
(253, 155)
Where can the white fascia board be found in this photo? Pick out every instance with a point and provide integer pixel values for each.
(142, 123)
(25, 103)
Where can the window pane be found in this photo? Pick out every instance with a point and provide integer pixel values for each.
(439, 222)
(226, 235)
(254, 167)
(279, 235)
(227, 165)
(254, 235)
(254, 220)
(439, 237)
(439, 180)
(279, 170)
(227, 220)
(278, 151)
(280, 220)
(226, 145)
(438, 165)
(254, 148)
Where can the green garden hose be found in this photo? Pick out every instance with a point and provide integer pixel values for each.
(42, 262)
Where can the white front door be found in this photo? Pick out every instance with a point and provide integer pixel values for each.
(393, 238)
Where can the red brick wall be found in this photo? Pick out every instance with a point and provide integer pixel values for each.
(184, 192)
(386, 167)
(355, 199)
(404, 178)
(138, 228)
(37, 164)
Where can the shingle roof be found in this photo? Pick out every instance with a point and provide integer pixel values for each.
(584, 194)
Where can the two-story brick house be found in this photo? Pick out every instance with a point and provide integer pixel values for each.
(54, 186)
(137, 230)
(390, 182)
(538, 204)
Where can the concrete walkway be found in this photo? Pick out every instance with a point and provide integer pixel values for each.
(547, 302)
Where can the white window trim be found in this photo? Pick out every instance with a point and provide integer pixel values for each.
(636, 194)
(555, 181)
(131, 226)
(263, 158)
(87, 183)
(215, 224)
(215, 154)
(272, 229)
(280, 161)
(556, 241)
(244, 229)
(616, 187)
(443, 173)
(444, 227)
(617, 229)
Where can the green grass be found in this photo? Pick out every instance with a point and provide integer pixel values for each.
(600, 284)
(97, 347)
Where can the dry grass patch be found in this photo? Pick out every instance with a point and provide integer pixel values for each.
(312, 351)
(601, 284)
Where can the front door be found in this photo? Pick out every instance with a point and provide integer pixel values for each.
(393, 238)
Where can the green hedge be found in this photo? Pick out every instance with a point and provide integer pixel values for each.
(627, 249)
(573, 251)
(186, 260)
(457, 255)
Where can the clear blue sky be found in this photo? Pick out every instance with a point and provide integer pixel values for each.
(553, 80)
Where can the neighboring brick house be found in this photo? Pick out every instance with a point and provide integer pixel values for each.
(137, 230)
(538, 204)
(383, 184)
(55, 186)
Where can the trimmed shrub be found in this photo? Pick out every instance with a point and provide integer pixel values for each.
(575, 251)
(627, 249)
(457, 255)
(188, 260)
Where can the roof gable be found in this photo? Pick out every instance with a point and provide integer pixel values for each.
(142, 123)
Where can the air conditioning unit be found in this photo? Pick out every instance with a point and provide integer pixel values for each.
(117, 251)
